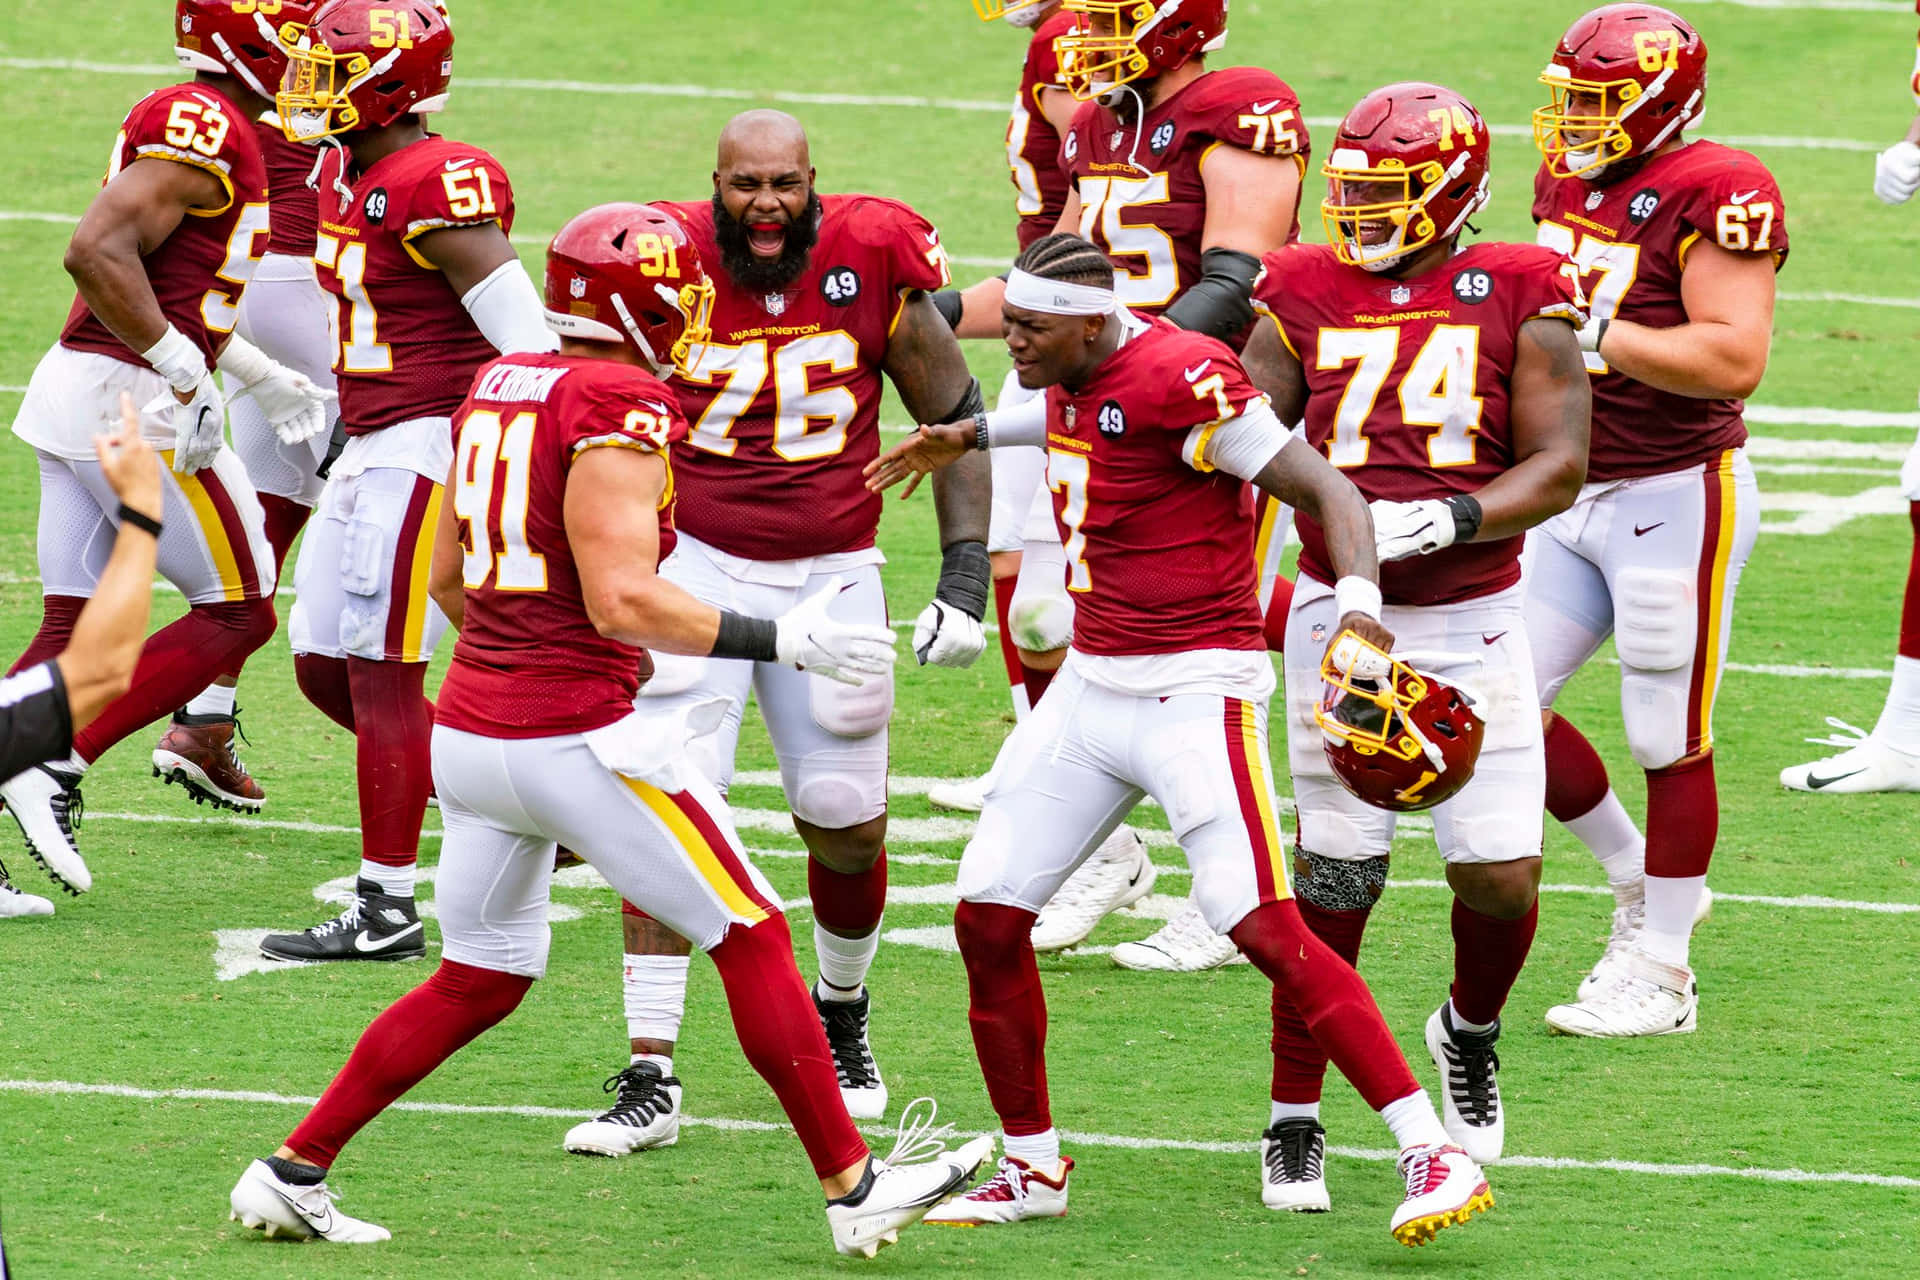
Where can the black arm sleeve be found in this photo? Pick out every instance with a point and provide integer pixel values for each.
(1220, 303)
(970, 404)
(947, 302)
(36, 724)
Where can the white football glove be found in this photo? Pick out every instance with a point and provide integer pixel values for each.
(199, 426)
(947, 636)
(1402, 529)
(810, 638)
(1896, 173)
(298, 408)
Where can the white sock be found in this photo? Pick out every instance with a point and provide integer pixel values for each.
(1414, 1121)
(1040, 1150)
(75, 764)
(655, 991)
(394, 882)
(664, 1061)
(1293, 1111)
(1461, 1024)
(1616, 844)
(844, 962)
(1899, 723)
(214, 700)
(1671, 901)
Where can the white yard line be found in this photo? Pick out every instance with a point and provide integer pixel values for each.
(1858, 299)
(1853, 6)
(1130, 1142)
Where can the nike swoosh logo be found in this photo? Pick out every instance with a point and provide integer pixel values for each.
(1491, 639)
(1198, 369)
(451, 165)
(364, 941)
(1817, 784)
(933, 237)
(1741, 197)
(1641, 531)
(320, 1223)
(1261, 108)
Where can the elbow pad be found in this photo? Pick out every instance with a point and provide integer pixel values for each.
(509, 313)
(1220, 303)
(949, 304)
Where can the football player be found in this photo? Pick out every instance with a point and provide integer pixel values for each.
(1153, 435)
(545, 560)
(816, 299)
(161, 259)
(413, 252)
(1184, 177)
(1042, 111)
(284, 313)
(1678, 243)
(1448, 384)
(1887, 759)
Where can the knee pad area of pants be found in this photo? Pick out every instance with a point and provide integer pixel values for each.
(851, 711)
(1653, 710)
(1654, 620)
(1040, 621)
(1335, 835)
(1338, 884)
(829, 798)
(1493, 837)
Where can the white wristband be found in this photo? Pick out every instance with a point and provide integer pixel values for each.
(176, 359)
(1356, 595)
(244, 362)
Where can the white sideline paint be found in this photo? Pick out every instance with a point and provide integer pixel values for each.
(1857, 299)
(1856, 6)
(74, 1088)
(1770, 415)
(992, 106)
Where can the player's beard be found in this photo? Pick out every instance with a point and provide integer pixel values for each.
(759, 275)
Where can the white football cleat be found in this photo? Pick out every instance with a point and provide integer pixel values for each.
(1293, 1155)
(845, 1021)
(1652, 999)
(45, 801)
(963, 795)
(1864, 764)
(1117, 874)
(261, 1201)
(917, 1175)
(1014, 1194)
(15, 905)
(1184, 944)
(1444, 1189)
(1469, 1087)
(1621, 940)
(645, 1114)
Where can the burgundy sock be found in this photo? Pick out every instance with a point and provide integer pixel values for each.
(1275, 626)
(849, 905)
(324, 681)
(1487, 956)
(1683, 818)
(178, 661)
(57, 616)
(285, 519)
(1910, 602)
(1036, 679)
(780, 1033)
(417, 1033)
(1002, 603)
(393, 755)
(1332, 1000)
(1299, 1063)
(1576, 776)
(1008, 1012)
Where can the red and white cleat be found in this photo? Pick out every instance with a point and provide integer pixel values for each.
(1444, 1189)
(1018, 1192)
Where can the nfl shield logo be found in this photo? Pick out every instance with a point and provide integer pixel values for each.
(775, 303)
(1113, 143)
(578, 287)
(1069, 415)
(1595, 199)
(1401, 295)
(1318, 633)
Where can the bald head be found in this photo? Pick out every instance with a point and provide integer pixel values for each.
(765, 212)
(762, 139)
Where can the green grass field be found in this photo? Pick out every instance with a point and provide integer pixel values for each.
(135, 1081)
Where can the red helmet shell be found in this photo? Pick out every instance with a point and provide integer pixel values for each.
(1135, 40)
(1648, 68)
(239, 38)
(363, 64)
(629, 273)
(1429, 145)
(1404, 742)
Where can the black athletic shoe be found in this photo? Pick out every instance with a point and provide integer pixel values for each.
(861, 1087)
(1292, 1155)
(373, 927)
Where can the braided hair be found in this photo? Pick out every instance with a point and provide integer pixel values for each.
(1068, 258)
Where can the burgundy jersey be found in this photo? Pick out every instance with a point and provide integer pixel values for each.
(199, 271)
(408, 349)
(1408, 384)
(1033, 144)
(529, 663)
(296, 205)
(1141, 198)
(1159, 545)
(785, 402)
(1630, 239)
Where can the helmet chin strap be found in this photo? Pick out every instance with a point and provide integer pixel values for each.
(632, 327)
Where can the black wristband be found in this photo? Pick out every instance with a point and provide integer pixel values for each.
(966, 577)
(146, 524)
(980, 440)
(1466, 515)
(750, 639)
(970, 403)
(950, 306)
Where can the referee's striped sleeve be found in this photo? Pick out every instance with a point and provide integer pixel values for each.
(36, 724)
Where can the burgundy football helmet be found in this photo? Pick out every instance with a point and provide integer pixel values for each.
(362, 64)
(1018, 13)
(239, 38)
(1625, 79)
(629, 273)
(1119, 41)
(1408, 167)
(1397, 738)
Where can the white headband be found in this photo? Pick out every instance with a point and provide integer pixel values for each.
(1056, 297)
